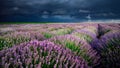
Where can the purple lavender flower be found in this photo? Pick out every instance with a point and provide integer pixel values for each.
(78, 47)
(36, 54)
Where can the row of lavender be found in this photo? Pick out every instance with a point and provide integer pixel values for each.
(60, 46)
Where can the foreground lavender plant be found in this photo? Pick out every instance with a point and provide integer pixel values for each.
(42, 54)
(109, 48)
(79, 47)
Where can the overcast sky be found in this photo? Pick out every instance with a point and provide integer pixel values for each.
(74, 8)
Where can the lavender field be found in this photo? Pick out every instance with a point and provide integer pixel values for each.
(84, 45)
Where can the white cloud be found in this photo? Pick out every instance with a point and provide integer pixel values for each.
(63, 17)
(45, 12)
(105, 14)
(44, 16)
(16, 8)
(84, 11)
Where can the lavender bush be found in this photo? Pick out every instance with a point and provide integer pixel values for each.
(108, 47)
(79, 47)
(6, 42)
(42, 54)
(15, 38)
(62, 31)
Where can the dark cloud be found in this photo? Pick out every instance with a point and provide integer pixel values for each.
(58, 8)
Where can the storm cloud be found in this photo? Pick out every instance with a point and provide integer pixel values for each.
(71, 8)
